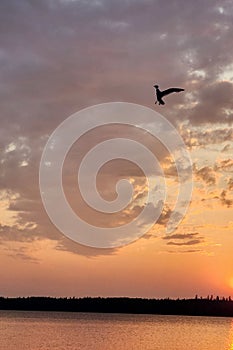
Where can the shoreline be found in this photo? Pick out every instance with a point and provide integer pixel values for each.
(122, 305)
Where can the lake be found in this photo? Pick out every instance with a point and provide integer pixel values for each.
(72, 331)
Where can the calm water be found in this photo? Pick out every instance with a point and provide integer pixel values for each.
(69, 331)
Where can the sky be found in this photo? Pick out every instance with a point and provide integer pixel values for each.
(60, 56)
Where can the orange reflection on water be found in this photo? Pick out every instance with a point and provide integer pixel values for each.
(231, 337)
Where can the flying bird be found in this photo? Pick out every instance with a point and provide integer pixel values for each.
(161, 94)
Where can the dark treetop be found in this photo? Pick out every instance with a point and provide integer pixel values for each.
(195, 307)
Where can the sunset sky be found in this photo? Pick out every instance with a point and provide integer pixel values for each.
(60, 56)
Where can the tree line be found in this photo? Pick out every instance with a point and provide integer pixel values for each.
(197, 306)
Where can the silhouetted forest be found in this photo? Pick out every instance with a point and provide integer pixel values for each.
(194, 307)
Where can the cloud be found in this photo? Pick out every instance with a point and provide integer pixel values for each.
(185, 251)
(226, 148)
(184, 239)
(181, 236)
(214, 104)
(206, 174)
(191, 242)
(196, 136)
(230, 184)
(224, 200)
(57, 57)
(165, 216)
(15, 234)
(67, 245)
(21, 253)
(224, 165)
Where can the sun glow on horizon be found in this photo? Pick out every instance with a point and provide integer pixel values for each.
(231, 282)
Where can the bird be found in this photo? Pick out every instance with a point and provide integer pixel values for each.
(161, 94)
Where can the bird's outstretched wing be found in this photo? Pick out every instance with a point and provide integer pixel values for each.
(170, 91)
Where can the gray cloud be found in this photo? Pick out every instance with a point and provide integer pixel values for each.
(66, 244)
(13, 233)
(230, 184)
(185, 239)
(224, 165)
(226, 148)
(214, 103)
(202, 137)
(224, 200)
(181, 236)
(191, 242)
(22, 254)
(185, 251)
(206, 174)
(57, 57)
(165, 216)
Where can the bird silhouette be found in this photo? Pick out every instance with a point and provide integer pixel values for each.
(161, 94)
